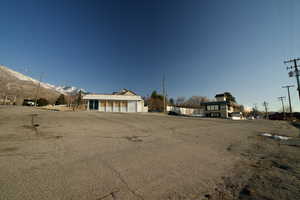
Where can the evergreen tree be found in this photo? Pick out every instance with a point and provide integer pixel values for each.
(229, 97)
(60, 100)
(42, 102)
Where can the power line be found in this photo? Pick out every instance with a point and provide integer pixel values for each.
(294, 73)
(288, 89)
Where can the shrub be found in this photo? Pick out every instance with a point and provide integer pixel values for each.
(60, 100)
(42, 102)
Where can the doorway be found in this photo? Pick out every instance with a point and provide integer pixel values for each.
(93, 104)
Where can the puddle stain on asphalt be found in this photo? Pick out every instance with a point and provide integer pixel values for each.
(8, 149)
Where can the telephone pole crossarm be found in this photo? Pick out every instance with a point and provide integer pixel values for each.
(296, 73)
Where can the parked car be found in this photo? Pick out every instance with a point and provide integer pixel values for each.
(251, 118)
(28, 102)
(237, 116)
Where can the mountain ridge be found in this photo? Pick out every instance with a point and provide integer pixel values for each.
(20, 86)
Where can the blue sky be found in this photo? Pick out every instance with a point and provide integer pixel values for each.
(203, 47)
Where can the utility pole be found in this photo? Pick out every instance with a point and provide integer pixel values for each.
(294, 73)
(265, 104)
(281, 98)
(164, 92)
(38, 90)
(255, 109)
(288, 89)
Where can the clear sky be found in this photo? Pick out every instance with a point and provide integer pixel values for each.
(203, 47)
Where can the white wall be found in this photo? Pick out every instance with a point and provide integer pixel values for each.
(101, 107)
(145, 109)
(132, 106)
(139, 107)
(116, 107)
(123, 108)
(185, 111)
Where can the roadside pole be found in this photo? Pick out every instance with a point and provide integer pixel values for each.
(294, 73)
(289, 96)
(281, 98)
(265, 104)
(164, 92)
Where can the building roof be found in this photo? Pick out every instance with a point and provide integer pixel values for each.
(214, 103)
(220, 95)
(124, 94)
(112, 97)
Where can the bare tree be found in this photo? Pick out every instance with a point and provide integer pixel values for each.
(195, 101)
(180, 100)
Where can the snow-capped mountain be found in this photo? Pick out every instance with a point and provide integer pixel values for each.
(69, 90)
(16, 83)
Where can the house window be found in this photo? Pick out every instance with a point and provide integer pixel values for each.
(215, 114)
(213, 107)
(223, 107)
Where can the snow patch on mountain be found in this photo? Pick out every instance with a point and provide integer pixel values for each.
(69, 90)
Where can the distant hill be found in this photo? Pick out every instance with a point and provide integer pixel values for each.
(16, 85)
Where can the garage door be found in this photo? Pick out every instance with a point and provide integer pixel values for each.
(102, 106)
(116, 106)
(123, 105)
(131, 106)
(109, 106)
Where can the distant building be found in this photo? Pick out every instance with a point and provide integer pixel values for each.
(185, 110)
(123, 101)
(219, 108)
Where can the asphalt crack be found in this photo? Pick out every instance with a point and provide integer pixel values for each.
(122, 179)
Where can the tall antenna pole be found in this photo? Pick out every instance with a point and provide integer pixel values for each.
(288, 89)
(295, 73)
(255, 110)
(281, 98)
(164, 92)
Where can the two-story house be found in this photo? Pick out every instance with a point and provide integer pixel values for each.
(220, 108)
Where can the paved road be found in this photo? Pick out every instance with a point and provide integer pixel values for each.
(49, 155)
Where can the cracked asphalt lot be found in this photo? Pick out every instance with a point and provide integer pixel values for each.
(94, 156)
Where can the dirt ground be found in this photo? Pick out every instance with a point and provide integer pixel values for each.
(49, 155)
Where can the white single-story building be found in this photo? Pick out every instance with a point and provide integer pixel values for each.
(123, 101)
(186, 110)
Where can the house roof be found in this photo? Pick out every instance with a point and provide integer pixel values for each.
(220, 95)
(124, 92)
(214, 103)
(112, 97)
